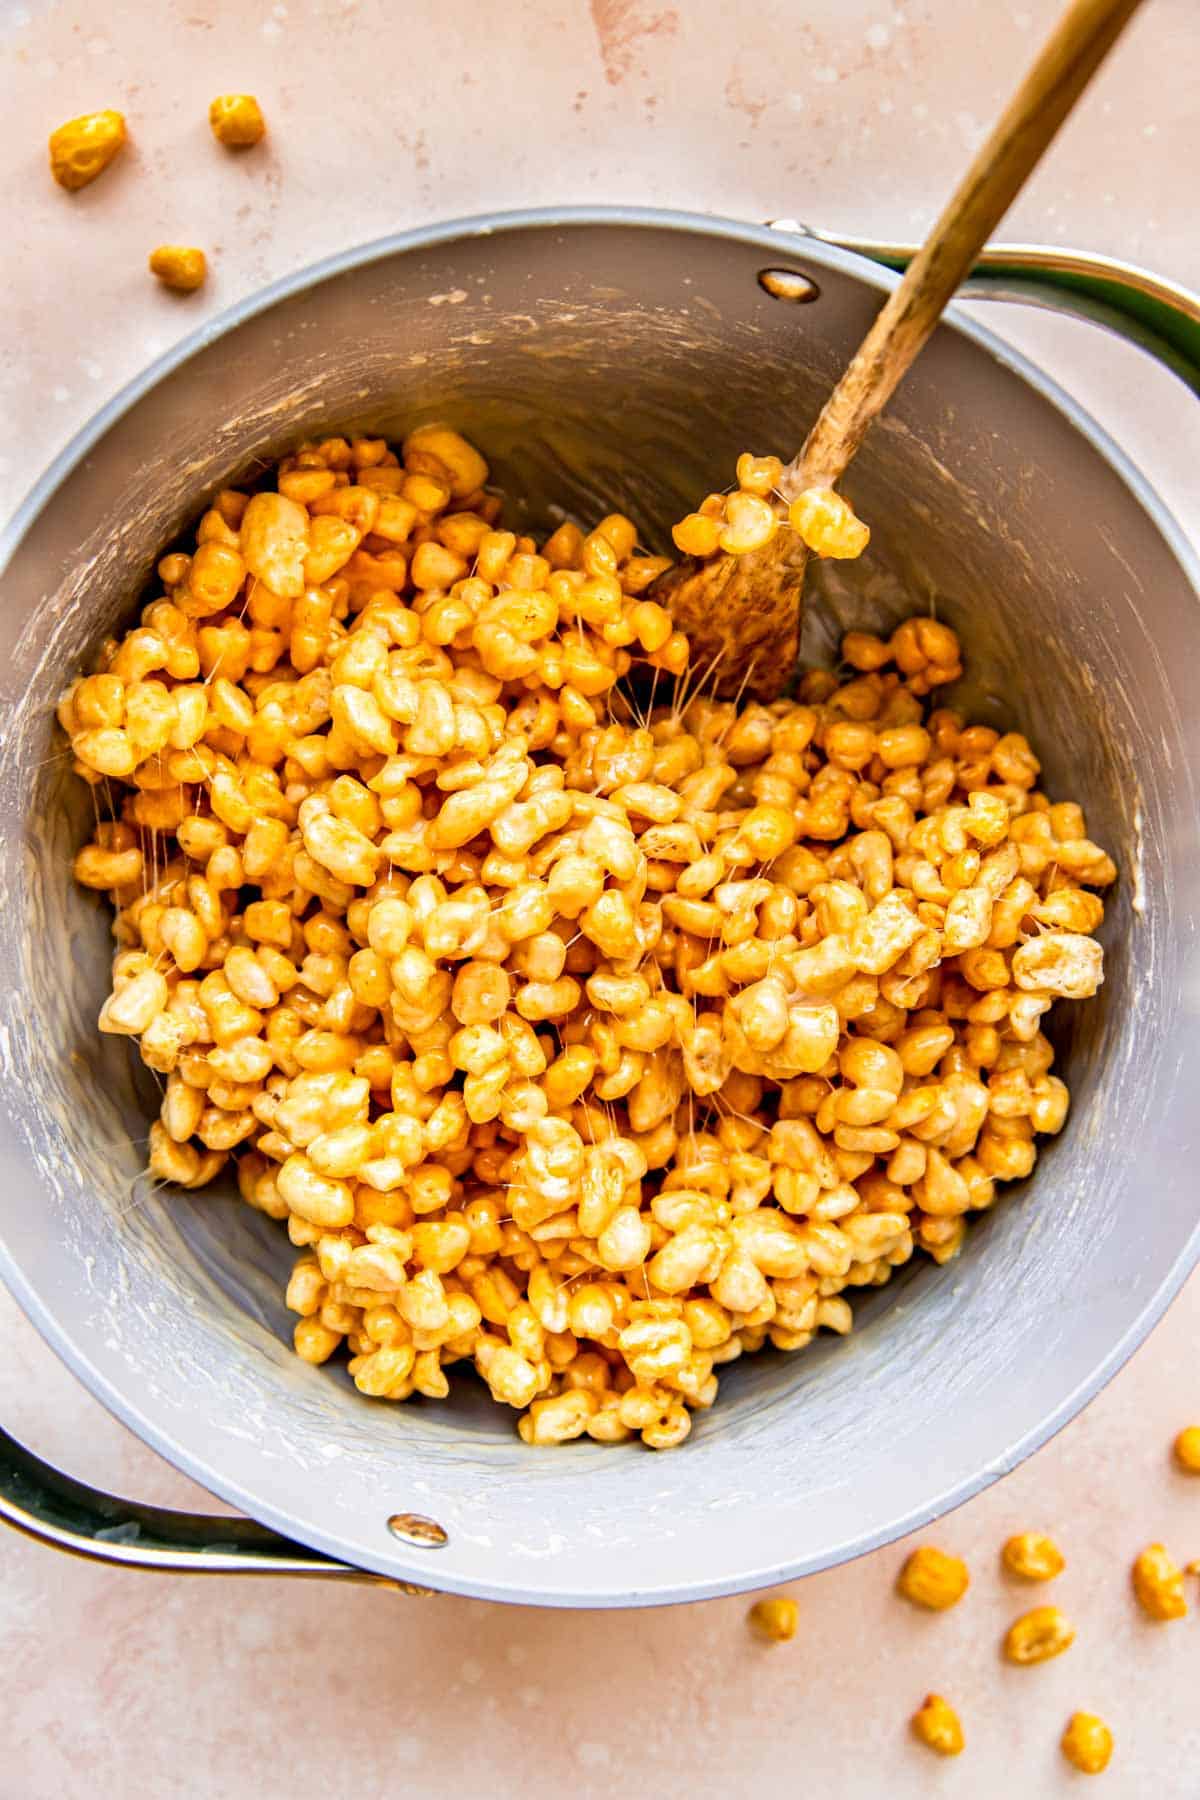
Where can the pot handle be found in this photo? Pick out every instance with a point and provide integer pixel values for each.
(66, 1514)
(1148, 310)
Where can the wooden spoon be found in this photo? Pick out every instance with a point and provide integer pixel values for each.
(745, 610)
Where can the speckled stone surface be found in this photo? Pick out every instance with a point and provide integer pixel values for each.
(850, 113)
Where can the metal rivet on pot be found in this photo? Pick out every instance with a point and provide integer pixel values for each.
(414, 1528)
(788, 284)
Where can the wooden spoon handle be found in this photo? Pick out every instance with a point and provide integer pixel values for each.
(742, 613)
(1084, 35)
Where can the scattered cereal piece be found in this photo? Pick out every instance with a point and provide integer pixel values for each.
(1087, 1743)
(931, 1578)
(1158, 1584)
(237, 121)
(775, 1619)
(697, 535)
(83, 147)
(1039, 1635)
(1033, 1556)
(750, 523)
(439, 451)
(179, 267)
(828, 524)
(1187, 1449)
(937, 1724)
(758, 474)
(1060, 962)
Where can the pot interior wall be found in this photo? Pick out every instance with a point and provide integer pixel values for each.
(600, 367)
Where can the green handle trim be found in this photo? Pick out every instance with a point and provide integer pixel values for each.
(1132, 302)
(65, 1514)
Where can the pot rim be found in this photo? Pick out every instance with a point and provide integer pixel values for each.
(783, 248)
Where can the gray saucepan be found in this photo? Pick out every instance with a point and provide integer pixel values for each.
(621, 358)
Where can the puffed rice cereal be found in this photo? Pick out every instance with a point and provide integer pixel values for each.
(577, 1027)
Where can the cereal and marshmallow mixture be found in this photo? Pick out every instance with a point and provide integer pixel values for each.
(593, 1035)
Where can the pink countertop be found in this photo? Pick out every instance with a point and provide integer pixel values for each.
(383, 117)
